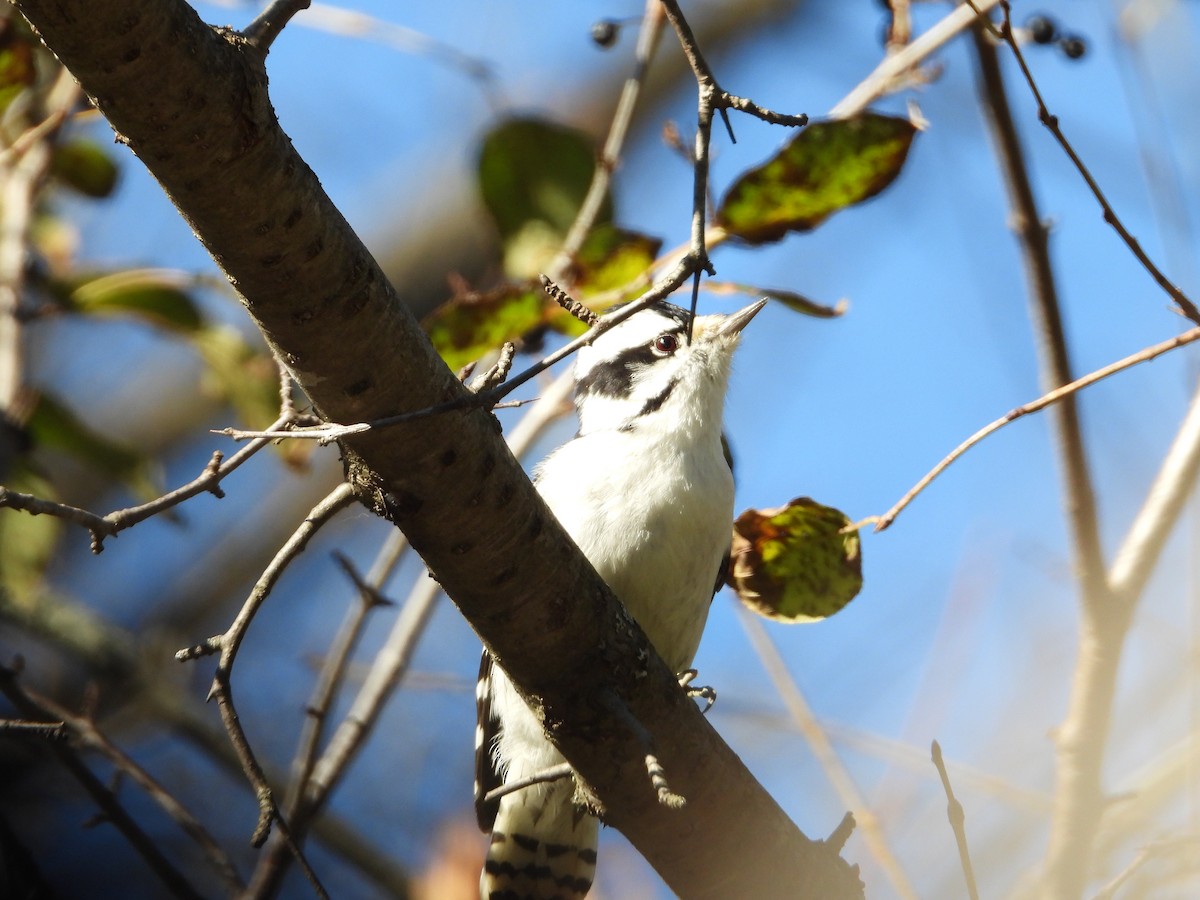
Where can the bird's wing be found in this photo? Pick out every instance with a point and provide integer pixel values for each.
(487, 776)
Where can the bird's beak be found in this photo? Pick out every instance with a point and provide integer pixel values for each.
(737, 321)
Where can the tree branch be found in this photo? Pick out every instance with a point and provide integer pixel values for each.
(191, 101)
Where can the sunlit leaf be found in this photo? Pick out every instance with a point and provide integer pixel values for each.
(794, 563)
(240, 374)
(824, 168)
(26, 542)
(85, 166)
(612, 257)
(466, 328)
(155, 295)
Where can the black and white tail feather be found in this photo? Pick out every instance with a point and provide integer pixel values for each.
(646, 492)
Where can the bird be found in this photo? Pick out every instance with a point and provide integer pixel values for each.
(645, 489)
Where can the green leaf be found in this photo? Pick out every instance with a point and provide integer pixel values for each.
(26, 542)
(17, 69)
(466, 328)
(85, 166)
(794, 563)
(52, 425)
(533, 176)
(241, 375)
(156, 295)
(827, 167)
(612, 258)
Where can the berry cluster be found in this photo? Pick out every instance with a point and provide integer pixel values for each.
(1044, 30)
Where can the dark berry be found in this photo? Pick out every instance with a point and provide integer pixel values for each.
(1042, 29)
(605, 32)
(1073, 46)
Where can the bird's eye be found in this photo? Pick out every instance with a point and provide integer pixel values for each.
(666, 343)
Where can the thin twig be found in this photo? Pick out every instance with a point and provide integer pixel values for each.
(958, 820)
(711, 97)
(332, 674)
(1082, 739)
(54, 731)
(610, 156)
(222, 690)
(111, 808)
(554, 773)
(1186, 306)
(1189, 844)
(110, 525)
(895, 65)
(89, 736)
(1047, 399)
(822, 748)
(1135, 559)
(269, 24)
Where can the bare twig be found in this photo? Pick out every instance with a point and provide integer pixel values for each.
(261, 33)
(113, 811)
(110, 525)
(554, 773)
(1147, 537)
(896, 64)
(1047, 399)
(822, 748)
(54, 731)
(333, 672)
(89, 736)
(1187, 847)
(230, 642)
(1186, 306)
(1082, 739)
(958, 820)
(610, 156)
(711, 97)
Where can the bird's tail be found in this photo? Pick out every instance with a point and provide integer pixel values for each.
(543, 846)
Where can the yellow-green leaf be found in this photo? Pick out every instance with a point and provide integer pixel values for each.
(155, 295)
(85, 166)
(241, 375)
(466, 328)
(26, 542)
(794, 563)
(826, 167)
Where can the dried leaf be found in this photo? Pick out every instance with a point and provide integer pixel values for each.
(794, 563)
(828, 166)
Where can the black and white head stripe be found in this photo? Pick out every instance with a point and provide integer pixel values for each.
(611, 366)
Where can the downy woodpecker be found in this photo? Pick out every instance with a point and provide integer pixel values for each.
(646, 492)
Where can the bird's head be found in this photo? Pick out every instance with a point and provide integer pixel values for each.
(643, 373)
